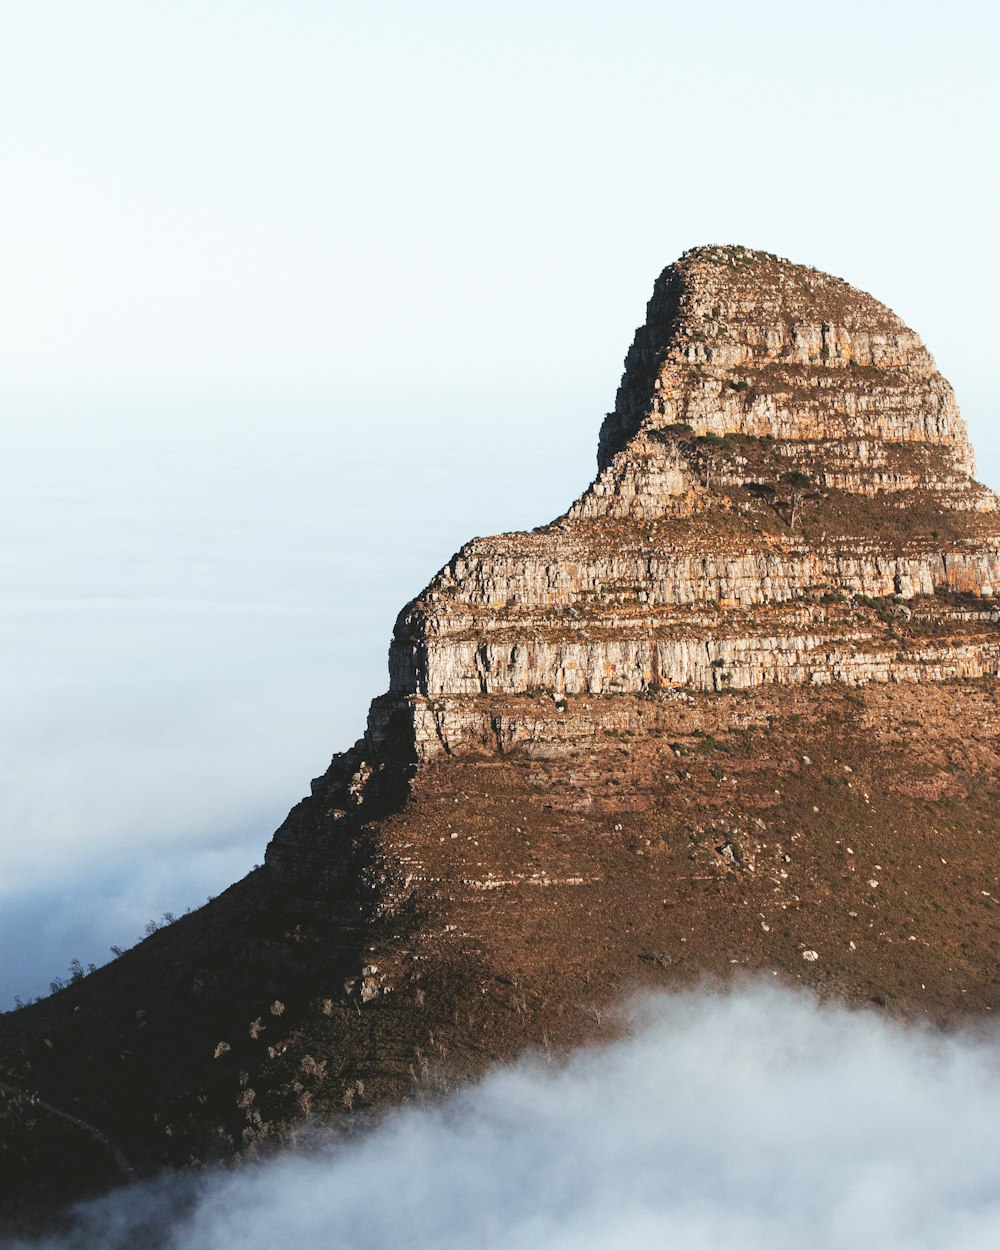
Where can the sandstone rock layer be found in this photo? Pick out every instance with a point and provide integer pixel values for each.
(784, 495)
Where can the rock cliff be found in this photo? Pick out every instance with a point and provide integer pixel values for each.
(784, 496)
(736, 708)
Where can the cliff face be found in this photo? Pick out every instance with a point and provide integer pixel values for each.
(741, 342)
(736, 704)
(784, 496)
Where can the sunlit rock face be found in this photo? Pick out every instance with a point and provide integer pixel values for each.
(741, 342)
(784, 495)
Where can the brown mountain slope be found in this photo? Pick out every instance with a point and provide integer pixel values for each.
(736, 710)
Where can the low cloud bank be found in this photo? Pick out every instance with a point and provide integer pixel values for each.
(198, 594)
(751, 1119)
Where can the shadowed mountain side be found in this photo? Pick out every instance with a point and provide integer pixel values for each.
(735, 710)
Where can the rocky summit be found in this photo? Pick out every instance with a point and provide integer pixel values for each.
(735, 711)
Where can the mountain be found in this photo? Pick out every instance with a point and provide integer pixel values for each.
(735, 711)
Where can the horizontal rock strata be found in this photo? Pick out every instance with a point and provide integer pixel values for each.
(784, 497)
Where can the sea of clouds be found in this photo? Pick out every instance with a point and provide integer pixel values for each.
(757, 1119)
(198, 595)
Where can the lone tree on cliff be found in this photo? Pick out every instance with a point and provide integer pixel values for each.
(798, 489)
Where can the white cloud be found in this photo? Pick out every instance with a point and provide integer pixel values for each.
(754, 1119)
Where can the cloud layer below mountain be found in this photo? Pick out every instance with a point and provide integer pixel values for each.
(756, 1118)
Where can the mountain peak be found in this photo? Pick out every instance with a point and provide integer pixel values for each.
(783, 458)
(741, 342)
(736, 707)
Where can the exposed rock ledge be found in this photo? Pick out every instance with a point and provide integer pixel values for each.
(784, 495)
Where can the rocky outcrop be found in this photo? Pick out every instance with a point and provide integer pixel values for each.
(738, 341)
(784, 495)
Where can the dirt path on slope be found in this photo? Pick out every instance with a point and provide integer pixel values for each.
(33, 1100)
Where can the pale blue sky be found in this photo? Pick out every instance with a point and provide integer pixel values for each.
(309, 193)
(296, 297)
